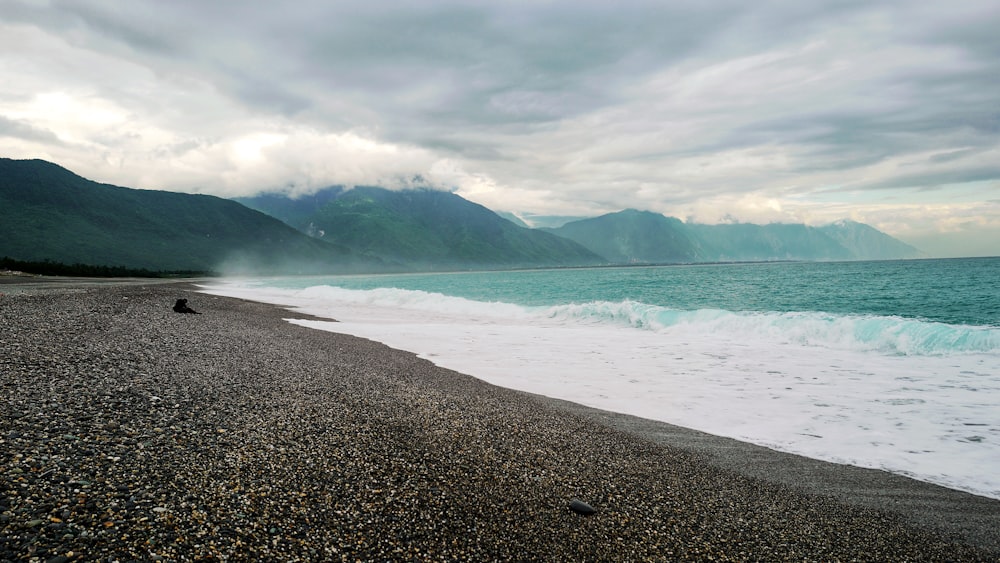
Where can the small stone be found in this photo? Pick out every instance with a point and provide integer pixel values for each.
(580, 507)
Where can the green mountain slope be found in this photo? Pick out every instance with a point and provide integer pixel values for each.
(49, 213)
(513, 218)
(742, 241)
(867, 243)
(635, 236)
(422, 229)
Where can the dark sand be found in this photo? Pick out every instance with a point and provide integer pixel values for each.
(128, 431)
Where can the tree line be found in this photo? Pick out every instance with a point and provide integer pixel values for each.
(50, 268)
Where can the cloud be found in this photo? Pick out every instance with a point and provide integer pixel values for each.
(759, 110)
(25, 131)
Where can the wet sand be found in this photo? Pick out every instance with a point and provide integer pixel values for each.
(133, 432)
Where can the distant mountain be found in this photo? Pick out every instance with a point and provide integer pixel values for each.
(50, 213)
(513, 219)
(427, 229)
(549, 221)
(776, 241)
(868, 243)
(632, 236)
(421, 229)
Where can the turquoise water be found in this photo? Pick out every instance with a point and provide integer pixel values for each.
(893, 365)
(952, 291)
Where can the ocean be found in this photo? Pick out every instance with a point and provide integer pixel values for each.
(892, 365)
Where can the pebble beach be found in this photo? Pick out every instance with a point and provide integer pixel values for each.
(129, 432)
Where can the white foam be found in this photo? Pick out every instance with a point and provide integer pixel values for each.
(933, 417)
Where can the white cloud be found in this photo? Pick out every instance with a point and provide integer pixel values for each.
(882, 110)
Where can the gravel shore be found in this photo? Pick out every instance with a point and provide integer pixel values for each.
(130, 432)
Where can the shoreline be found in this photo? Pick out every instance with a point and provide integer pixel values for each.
(974, 518)
(282, 441)
(923, 503)
(801, 383)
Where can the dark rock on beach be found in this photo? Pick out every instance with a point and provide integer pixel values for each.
(580, 507)
(128, 432)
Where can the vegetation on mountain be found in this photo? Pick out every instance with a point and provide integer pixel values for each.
(632, 236)
(57, 221)
(52, 214)
(422, 229)
(777, 241)
(865, 242)
(50, 268)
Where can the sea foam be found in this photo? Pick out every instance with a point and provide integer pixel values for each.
(883, 334)
(908, 396)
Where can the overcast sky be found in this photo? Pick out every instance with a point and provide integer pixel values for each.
(885, 112)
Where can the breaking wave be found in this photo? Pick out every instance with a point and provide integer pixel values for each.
(887, 335)
(881, 334)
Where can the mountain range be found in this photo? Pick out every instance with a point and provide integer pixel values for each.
(422, 229)
(54, 215)
(427, 229)
(632, 236)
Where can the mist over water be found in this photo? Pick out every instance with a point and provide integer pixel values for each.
(892, 365)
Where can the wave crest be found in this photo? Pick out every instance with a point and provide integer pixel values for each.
(880, 334)
(887, 335)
